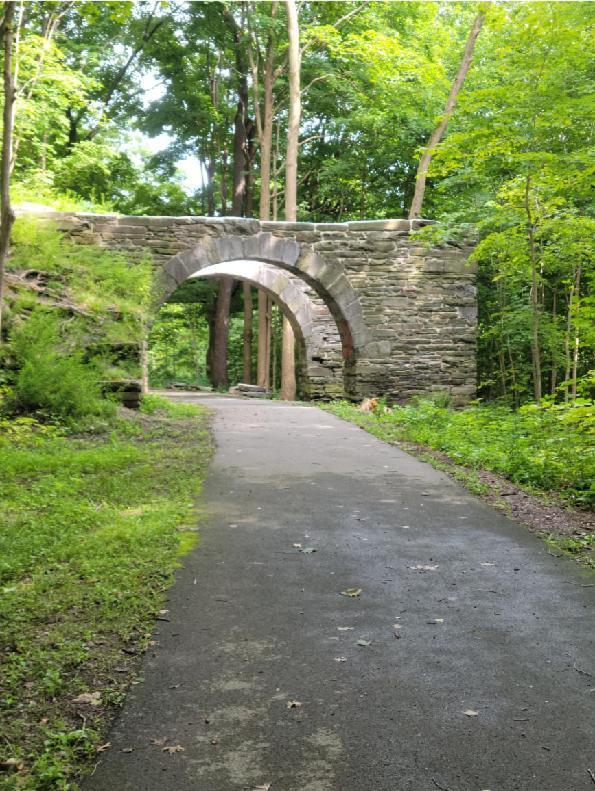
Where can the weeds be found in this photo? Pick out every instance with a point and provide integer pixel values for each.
(89, 544)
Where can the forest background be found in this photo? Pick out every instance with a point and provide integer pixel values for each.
(115, 98)
(175, 108)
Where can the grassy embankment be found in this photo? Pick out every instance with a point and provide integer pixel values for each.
(93, 527)
(548, 452)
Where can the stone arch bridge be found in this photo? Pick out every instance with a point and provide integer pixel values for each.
(376, 311)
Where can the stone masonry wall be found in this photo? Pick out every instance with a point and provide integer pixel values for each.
(411, 311)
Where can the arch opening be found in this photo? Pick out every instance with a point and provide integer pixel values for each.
(324, 280)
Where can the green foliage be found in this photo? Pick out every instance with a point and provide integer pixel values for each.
(90, 538)
(49, 380)
(548, 449)
(153, 404)
(95, 311)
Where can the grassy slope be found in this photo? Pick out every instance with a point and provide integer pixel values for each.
(92, 529)
(547, 452)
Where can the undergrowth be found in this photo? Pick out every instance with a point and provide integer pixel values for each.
(90, 539)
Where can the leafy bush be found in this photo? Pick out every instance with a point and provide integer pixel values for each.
(50, 379)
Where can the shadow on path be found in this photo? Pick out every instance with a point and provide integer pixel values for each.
(464, 664)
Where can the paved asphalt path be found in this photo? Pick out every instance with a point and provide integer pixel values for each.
(487, 622)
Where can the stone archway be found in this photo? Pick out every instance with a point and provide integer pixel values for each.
(327, 280)
(405, 308)
(312, 321)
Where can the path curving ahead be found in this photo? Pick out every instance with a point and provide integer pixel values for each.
(266, 674)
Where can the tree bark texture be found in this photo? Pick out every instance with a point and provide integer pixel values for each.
(247, 374)
(293, 124)
(288, 362)
(221, 333)
(6, 212)
(262, 379)
(437, 134)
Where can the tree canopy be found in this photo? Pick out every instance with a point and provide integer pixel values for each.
(113, 96)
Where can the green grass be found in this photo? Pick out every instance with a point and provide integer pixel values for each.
(548, 450)
(92, 531)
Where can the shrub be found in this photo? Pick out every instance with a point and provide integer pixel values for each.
(49, 378)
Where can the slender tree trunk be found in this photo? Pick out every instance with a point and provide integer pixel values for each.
(266, 137)
(577, 288)
(288, 362)
(554, 362)
(262, 375)
(274, 361)
(241, 117)
(534, 297)
(291, 161)
(247, 376)
(269, 326)
(6, 161)
(221, 333)
(293, 124)
(223, 186)
(437, 134)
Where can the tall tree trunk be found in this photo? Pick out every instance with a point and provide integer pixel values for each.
(288, 362)
(577, 289)
(223, 185)
(241, 117)
(554, 362)
(274, 360)
(293, 123)
(269, 340)
(291, 161)
(221, 333)
(266, 137)
(534, 296)
(6, 160)
(437, 134)
(262, 372)
(247, 376)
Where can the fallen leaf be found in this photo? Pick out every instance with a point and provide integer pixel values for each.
(103, 747)
(364, 642)
(423, 568)
(159, 742)
(352, 593)
(92, 698)
(293, 704)
(345, 628)
(177, 748)
(471, 713)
